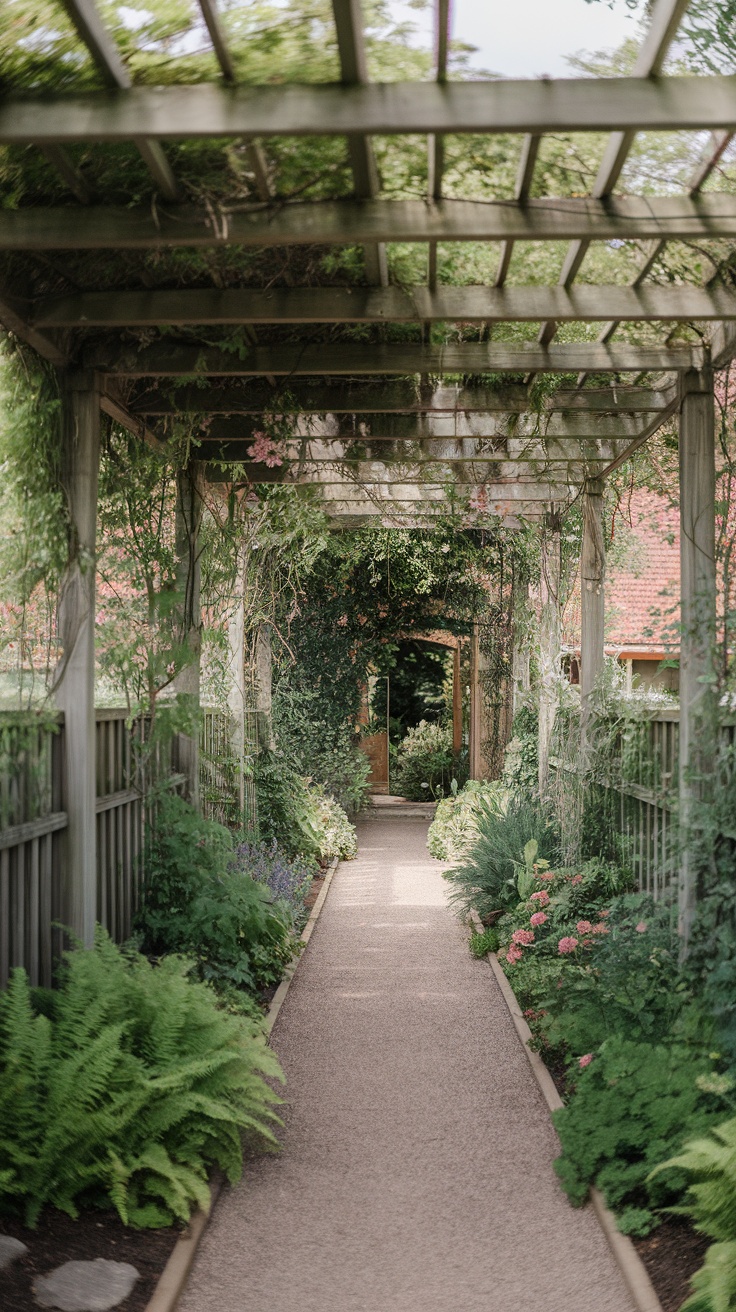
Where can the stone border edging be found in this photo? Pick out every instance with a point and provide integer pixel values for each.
(173, 1278)
(634, 1273)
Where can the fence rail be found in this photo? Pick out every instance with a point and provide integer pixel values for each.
(33, 824)
(640, 793)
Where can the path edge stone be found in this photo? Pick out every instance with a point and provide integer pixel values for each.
(633, 1271)
(173, 1278)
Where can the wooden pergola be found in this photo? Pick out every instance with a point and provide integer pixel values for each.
(382, 426)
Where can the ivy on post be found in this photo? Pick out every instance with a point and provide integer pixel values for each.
(550, 639)
(189, 507)
(592, 575)
(698, 702)
(74, 680)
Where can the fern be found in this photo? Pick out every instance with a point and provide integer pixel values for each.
(711, 1205)
(129, 1090)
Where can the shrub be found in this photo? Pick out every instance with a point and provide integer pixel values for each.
(123, 1087)
(287, 880)
(196, 901)
(454, 828)
(634, 1103)
(336, 835)
(482, 944)
(487, 876)
(424, 763)
(286, 813)
(321, 747)
(711, 1206)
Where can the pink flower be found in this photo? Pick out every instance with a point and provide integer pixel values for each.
(641, 927)
(542, 897)
(601, 929)
(341, 623)
(567, 944)
(265, 451)
(584, 927)
(522, 937)
(576, 879)
(603, 914)
(538, 918)
(585, 1061)
(546, 874)
(513, 954)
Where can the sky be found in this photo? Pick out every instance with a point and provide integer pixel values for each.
(528, 38)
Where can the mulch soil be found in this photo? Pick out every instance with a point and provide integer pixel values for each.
(671, 1255)
(59, 1239)
(314, 891)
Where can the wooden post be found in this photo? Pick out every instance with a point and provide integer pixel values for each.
(550, 641)
(189, 506)
(236, 693)
(698, 705)
(474, 763)
(264, 670)
(457, 703)
(74, 682)
(520, 673)
(592, 572)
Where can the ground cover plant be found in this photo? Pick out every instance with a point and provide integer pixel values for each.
(124, 1087)
(202, 900)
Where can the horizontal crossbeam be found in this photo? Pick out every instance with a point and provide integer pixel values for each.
(526, 106)
(463, 426)
(382, 305)
(350, 222)
(392, 397)
(169, 359)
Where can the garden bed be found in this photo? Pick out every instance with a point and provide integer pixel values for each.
(60, 1239)
(671, 1255)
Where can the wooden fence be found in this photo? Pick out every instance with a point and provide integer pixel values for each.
(640, 794)
(33, 824)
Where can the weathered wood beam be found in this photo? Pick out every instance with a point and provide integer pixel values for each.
(167, 358)
(592, 603)
(105, 54)
(524, 179)
(698, 702)
(391, 397)
(463, 429)
(13, 318)
(143, 308)
(354, 72)
(74, 680)
(664, 22)
(524, 106)
(435, 142)
(345, 222)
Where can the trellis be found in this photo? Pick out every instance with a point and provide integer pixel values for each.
(384, 428)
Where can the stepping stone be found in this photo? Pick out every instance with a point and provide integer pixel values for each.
(10, 1249)
(86, 1286)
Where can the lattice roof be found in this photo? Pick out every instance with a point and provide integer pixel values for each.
(124, 255)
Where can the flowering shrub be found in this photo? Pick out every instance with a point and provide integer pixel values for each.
(424, 763)
(455, 826)
(336, 834)
(515, 841)
(287, 879)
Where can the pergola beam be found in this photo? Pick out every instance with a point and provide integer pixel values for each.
(181, 112)
(391, 397)
(104, 52)
(665, 20)
(345, 222)
(525, 431)
(354, 71)
(166, 358)
(215, 306)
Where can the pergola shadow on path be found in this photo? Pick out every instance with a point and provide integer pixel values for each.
(384, 427)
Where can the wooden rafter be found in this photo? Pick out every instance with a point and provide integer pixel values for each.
(214, 306)
(207, 110)
(104, 52)
(621, 218)
(354, 72)
(391, 397)
(166, 358)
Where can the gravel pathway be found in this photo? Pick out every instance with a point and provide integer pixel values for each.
(417, 1172)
